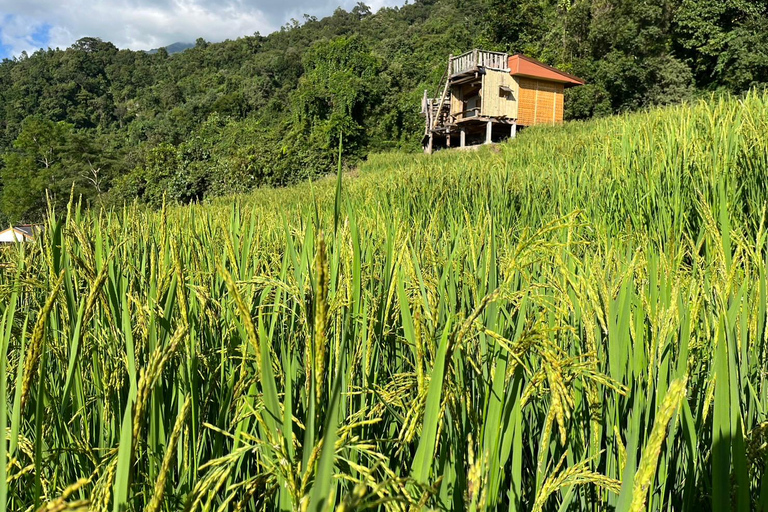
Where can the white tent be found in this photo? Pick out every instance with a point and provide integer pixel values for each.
(21, 233)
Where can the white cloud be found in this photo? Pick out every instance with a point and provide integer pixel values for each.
(21, 33)
(145, 24)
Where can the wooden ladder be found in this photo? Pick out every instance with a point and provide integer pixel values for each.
(441, 104)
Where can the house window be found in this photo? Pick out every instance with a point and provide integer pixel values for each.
(472, 108)
(506, 92)
(472, 100)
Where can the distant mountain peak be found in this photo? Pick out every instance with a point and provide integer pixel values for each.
(177, 47)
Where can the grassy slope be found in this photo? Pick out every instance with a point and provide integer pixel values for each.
(633, 174)
(575, 317)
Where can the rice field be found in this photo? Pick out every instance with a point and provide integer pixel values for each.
(575, 320)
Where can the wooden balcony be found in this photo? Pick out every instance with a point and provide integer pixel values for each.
(475, 59)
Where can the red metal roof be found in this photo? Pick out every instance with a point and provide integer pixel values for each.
(520, 65)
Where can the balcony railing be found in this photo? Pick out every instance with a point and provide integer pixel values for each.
(478, 58)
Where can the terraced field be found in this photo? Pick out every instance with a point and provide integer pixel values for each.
(575, 320)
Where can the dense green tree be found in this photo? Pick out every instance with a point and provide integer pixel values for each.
(339, 89)
(35, 169)
(150, 180)
(725, 42)
(92, 163)
(51, 160)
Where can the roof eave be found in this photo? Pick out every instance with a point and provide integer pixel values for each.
(567, 82)
(568, 79)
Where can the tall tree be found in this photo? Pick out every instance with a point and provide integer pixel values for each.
(726, 42)
(34, 167)
(50, 160)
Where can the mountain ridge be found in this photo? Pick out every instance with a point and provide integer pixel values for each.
(172, 48)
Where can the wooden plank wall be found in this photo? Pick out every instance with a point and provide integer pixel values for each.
(496, 104)
(457, 101)
(541, 102)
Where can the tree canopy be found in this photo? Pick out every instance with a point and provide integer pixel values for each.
(116, 125)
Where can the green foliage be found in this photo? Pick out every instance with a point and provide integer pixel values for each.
(150, 181)
(48, 159)
(338, 92)
(570, 322)
(725, 42)
(268, 110)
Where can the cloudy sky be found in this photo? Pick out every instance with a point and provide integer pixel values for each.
(26, 25)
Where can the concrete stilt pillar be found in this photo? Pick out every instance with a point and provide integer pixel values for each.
(448, 139)
(489, 132)
(462, 137)
(513, 130)
(428, 149)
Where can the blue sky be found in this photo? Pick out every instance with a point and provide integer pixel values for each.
(27, 25)
(16, 33)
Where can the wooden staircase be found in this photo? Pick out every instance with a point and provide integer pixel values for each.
(437, 112)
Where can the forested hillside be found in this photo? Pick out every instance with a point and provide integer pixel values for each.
(115, 125)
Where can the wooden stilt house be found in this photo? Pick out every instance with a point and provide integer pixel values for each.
(486, 96)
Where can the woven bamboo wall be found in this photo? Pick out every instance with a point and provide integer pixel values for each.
(559, 104)
(541, 102)
(495, 102)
